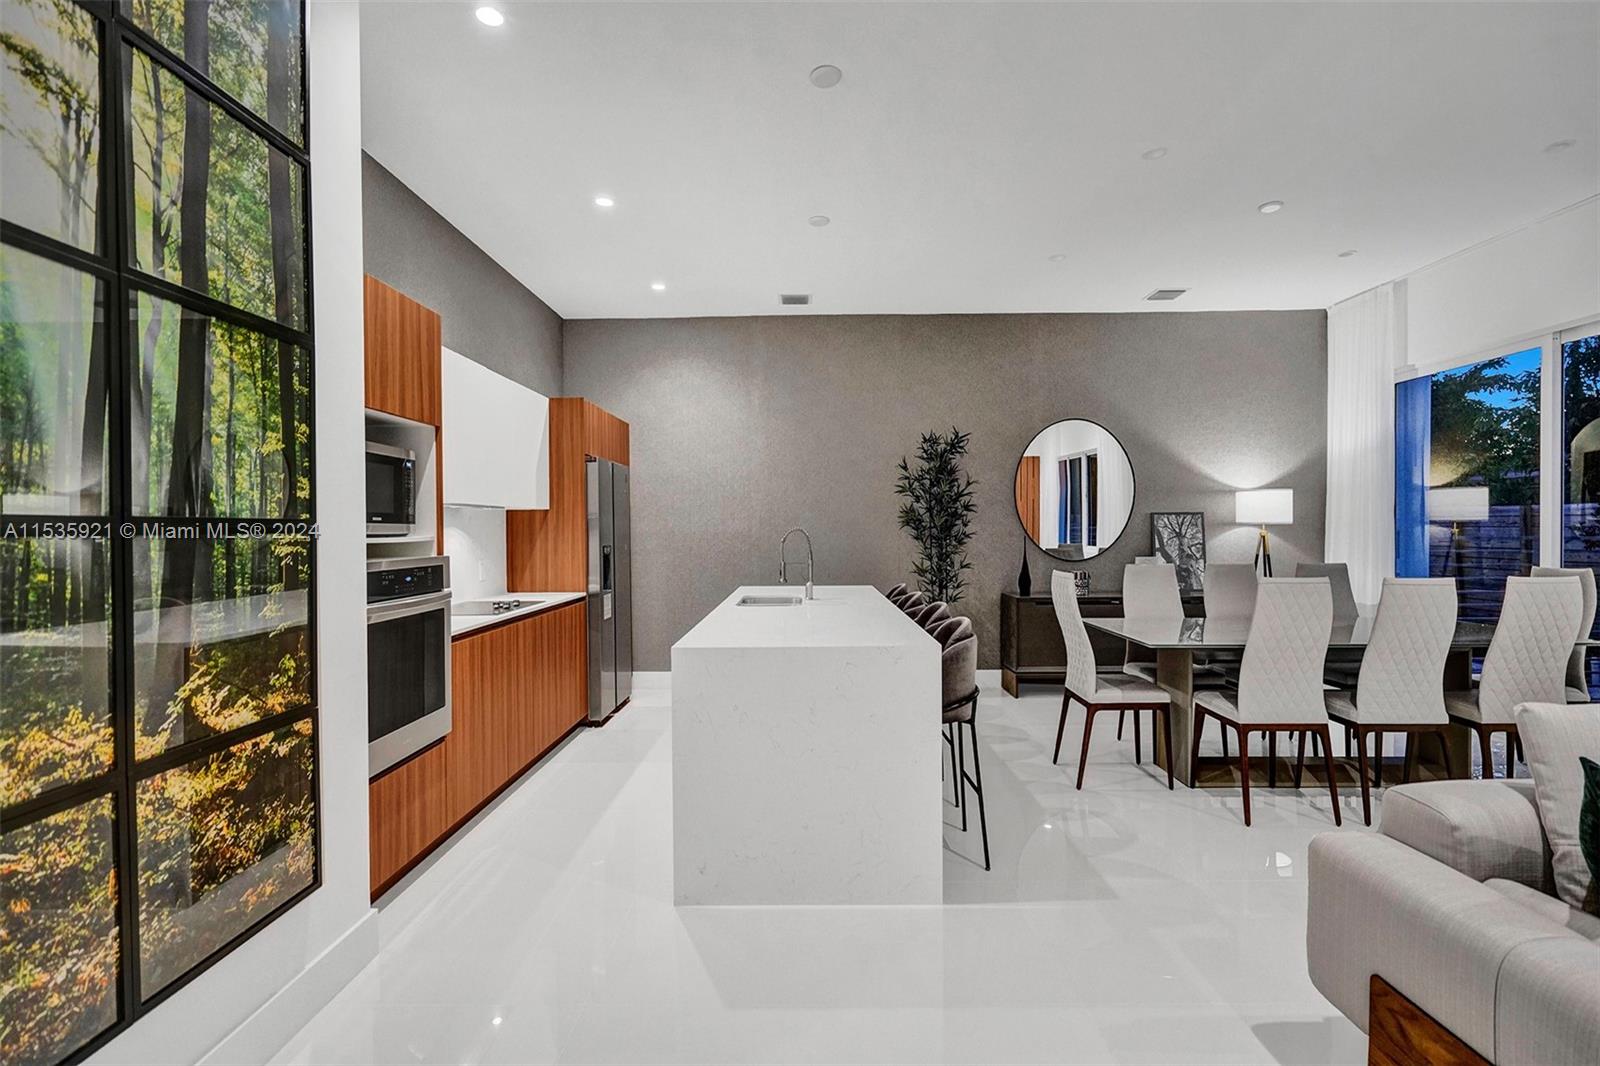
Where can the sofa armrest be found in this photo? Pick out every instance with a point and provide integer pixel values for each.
(1483, 829)
(1379, 907)
(1549, 1004)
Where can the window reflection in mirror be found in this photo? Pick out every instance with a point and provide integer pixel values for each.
(1074, 489)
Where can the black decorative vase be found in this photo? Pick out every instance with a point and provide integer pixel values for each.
(1024, 578)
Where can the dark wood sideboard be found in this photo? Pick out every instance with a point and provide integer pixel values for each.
(1030, 637)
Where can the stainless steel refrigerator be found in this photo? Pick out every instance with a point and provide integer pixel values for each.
(610, 588)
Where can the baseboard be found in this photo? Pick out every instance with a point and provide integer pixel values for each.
(988, 680)
(275, 1022)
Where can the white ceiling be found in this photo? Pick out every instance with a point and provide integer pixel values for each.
(968, 143)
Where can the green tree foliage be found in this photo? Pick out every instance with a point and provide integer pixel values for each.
(938, 512)
(220, 426)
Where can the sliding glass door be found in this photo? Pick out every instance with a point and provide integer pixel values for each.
(1467, 477)
(1497, 467)
(157, 703)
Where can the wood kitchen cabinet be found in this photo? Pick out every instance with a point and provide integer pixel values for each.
(402, 355)
(548, 549)
(516, 689)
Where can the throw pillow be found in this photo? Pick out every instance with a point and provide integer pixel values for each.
(1552, 735)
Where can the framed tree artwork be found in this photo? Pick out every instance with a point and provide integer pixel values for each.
(1179, 538)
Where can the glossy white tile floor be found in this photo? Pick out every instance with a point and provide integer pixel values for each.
(1121, 924)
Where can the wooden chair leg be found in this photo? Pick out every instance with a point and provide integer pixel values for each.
(1121, 716)
(1194, 745)
(1316, 745)
(1300, 761)
(1166, 738)
(1138, 739)
(1443, 733)
(1272, 758)
(1333, 785)
(1377, 767)
(1366, 785)
(1066, 701)
(1224, 730)
(1244, 769)
(1487, 752)
(1088, 725)
(1410, 765)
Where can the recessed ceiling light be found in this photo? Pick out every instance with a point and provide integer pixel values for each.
(1058, 257)
(1271, 207)
(604, 201)
(659, 286)
(1561, 145)
(819, 220)
(489, 16)
(1155, 153)
(826, 76)
(1347, 253)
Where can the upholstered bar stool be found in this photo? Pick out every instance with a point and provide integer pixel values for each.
(930, 614)
(1526, 661)
(1578, 665)
(1280, 678)
(959, 715)
(1098, 692)
(912, 601)
(1400, 685)
(896, 593)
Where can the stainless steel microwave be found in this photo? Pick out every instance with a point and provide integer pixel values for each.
(391, 491)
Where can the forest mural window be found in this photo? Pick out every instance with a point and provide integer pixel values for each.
(158, 779)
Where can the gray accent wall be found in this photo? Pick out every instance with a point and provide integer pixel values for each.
(488, 316)
(743, 427)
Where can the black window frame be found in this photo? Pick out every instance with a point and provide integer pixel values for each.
(122, 283)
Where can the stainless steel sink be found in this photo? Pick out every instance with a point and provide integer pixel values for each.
(768, 601)
(482, 608)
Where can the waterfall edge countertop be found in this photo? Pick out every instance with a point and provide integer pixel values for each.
(840, 616)
(806, 753)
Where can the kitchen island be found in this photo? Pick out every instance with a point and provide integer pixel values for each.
(806, 752)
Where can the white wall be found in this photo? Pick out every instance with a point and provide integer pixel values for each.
(475, 541)
(1532, 281)
(258, 996)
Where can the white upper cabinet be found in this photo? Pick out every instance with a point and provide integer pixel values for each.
(496, 438)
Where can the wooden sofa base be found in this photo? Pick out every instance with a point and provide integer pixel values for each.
(1400, 1033)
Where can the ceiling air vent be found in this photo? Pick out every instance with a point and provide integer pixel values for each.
(794, 299)
(1166, 294)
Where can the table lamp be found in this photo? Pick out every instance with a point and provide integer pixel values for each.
(1264, 507)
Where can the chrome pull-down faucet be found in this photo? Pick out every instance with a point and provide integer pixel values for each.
(783, 562)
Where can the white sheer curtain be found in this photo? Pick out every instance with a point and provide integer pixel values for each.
(1366, 342)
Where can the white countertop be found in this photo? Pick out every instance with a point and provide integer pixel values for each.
(841, 616)
(466, 623)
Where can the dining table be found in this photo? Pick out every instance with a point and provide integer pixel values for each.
(1186, 648)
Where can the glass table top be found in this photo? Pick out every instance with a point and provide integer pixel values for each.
(1225, 634)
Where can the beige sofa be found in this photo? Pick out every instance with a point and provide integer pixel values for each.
(1452, 904)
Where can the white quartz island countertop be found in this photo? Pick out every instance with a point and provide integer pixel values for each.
(806, 753)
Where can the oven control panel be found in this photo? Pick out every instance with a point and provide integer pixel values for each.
(403, 582)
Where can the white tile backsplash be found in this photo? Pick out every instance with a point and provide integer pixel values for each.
(475, 541)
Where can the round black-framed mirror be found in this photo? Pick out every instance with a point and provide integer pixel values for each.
(1074, 489)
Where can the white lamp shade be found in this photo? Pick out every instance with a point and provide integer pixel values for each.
(1469, 503)
(1264, 507)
